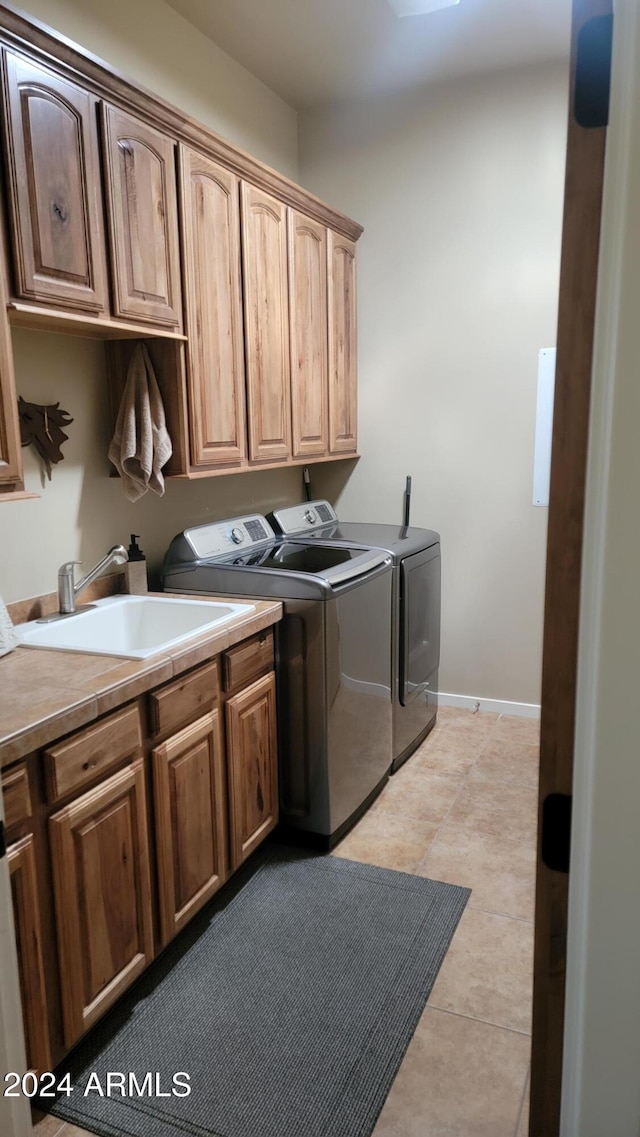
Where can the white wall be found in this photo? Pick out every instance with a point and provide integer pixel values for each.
(460, 190)
(83, 511)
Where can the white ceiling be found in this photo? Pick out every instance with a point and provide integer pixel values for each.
(316, 51)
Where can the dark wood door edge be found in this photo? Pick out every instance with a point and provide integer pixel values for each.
(576, 314)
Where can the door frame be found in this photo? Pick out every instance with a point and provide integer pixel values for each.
(602, 1024)
(581, 229)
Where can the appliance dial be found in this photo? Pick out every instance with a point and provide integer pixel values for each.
(237, 536)
(309, 516)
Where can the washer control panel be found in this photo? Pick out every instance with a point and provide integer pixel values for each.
(223, 537)
(301, 518)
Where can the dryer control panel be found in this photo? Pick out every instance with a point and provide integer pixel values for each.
(223, 537)
(304, 517)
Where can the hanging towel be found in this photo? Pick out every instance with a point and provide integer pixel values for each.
(140, 446)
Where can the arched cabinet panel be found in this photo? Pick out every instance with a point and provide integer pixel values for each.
(55, 201)
(308, 334)
(210, 213)
(143, 220)
(265, 275)
(343, 373)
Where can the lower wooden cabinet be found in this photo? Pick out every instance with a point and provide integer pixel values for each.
(26, 915)
(253, 767)
(190, 812)
(100, 865)
(141, 816)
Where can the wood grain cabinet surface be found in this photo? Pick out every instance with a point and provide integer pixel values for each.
(55, 200)
(343, 375)
(76, 762)
(10, 454)
(10, 450)
(266, 311)
(188, 697)
(253, 767)
(26, 915)
(308, 335)
(190, 814)
(100, 865)
(16, 794)
(143, 220)
(210, 214)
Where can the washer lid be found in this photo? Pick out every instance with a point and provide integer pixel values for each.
(331, 563)
(317, 520)
(247, 549)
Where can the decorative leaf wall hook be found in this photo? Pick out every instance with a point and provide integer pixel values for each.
(42, 426)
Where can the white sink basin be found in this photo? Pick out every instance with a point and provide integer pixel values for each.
(131, 626)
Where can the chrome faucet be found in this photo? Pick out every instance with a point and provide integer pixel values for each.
(68, 592)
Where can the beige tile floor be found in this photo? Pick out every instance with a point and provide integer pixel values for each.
(463, 810)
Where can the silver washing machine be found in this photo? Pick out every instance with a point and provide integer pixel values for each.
(414, 643)
(333, 669)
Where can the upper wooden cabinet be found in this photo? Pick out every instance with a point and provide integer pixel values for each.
(124, 218)
(10, 455)
(308, 334)
(210, 214)
(343, 375)
(143, 220)
(55, 201)
(266, 309)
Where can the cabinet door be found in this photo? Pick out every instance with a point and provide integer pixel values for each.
(308, 331)
(264, 261)
(213, 307)
(143, 220)
(343, 375)
(26, 914)
(100, 864)
(10, 456)
(191, 836)
(54, 188)
(252, 761)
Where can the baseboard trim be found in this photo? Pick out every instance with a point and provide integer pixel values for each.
(498, 706)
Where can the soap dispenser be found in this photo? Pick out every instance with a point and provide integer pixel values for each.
(136, 569)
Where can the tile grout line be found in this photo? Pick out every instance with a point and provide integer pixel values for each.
(503, 915)
(476, 1019)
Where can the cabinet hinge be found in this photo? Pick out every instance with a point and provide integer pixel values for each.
(556, 832)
